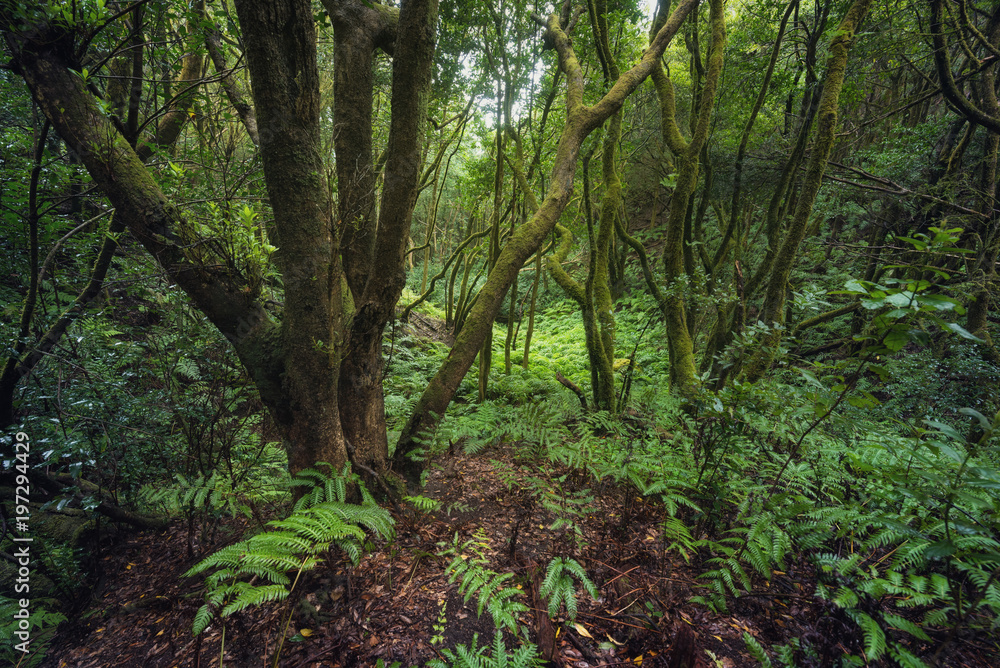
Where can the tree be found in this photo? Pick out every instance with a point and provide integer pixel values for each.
(773, 311)
(982, 108)
(580, 122)
(293, 353)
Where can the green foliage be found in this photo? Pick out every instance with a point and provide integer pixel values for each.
(441, 624)
(32, 634)
(294, 544)
(559, 587)
(756, 650)
(497, 656)
(495, 594)
(926, 383)
(423, 504)
(234, 492)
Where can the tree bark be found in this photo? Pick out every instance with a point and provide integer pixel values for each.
(581, 121)
(281, 56)
(362, 402)
(773, 312)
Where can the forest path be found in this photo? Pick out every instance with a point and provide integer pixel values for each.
(390, 606)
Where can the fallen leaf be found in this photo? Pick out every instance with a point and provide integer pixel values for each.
(620, 644)
(582, 631)
(306, 632)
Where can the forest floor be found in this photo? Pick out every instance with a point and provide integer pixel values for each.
(388, 607)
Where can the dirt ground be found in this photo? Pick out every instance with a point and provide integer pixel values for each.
(388, 607)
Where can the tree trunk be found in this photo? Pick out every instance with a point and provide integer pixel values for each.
(281, 56)
(679, 340)
(581, 121)
(378, 277)
(773, 312)
(296, 365)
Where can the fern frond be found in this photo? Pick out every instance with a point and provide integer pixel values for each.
(874, 636)
(896, 622)
(291, 545)
(255, 596)
(558, 586)
(904, 658)
(756, 650)
(202, 619)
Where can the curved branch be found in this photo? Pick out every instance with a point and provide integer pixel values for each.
(942, 61)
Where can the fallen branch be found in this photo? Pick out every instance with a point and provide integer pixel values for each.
(574, 388)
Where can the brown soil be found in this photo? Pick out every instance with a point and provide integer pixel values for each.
(387, 607)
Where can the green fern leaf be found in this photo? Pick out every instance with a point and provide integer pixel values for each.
(256, 596)
(202, 619)
(874, 636)
(756, 650)
(897, 622)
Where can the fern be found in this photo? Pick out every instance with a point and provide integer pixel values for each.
(291, 545)
(40, 624)
(493, 593)
(679, 537)
(904, 658)
(756, 650)
(252, 481)
(474, 656)
(558, 587)
(874, 636)
(423, 504)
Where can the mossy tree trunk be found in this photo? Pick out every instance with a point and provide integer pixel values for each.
(601, 366)
(601, 346)
(293, 355)
(687, 151)
(375, 249)
(581, 121)
(773, 310)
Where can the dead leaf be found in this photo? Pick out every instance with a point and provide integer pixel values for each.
(582, 631)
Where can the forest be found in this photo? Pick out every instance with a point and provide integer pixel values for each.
(488, 333)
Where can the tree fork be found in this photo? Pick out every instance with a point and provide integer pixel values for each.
(581, 121)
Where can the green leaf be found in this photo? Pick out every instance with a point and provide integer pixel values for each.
(941, 549)
(811, 379)
(880, 371)
(946, 429)
(896, 339)
(919, 337)
(964, 333)
(901, 299)
(939, 302)
(855, 287)
(983, 420)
